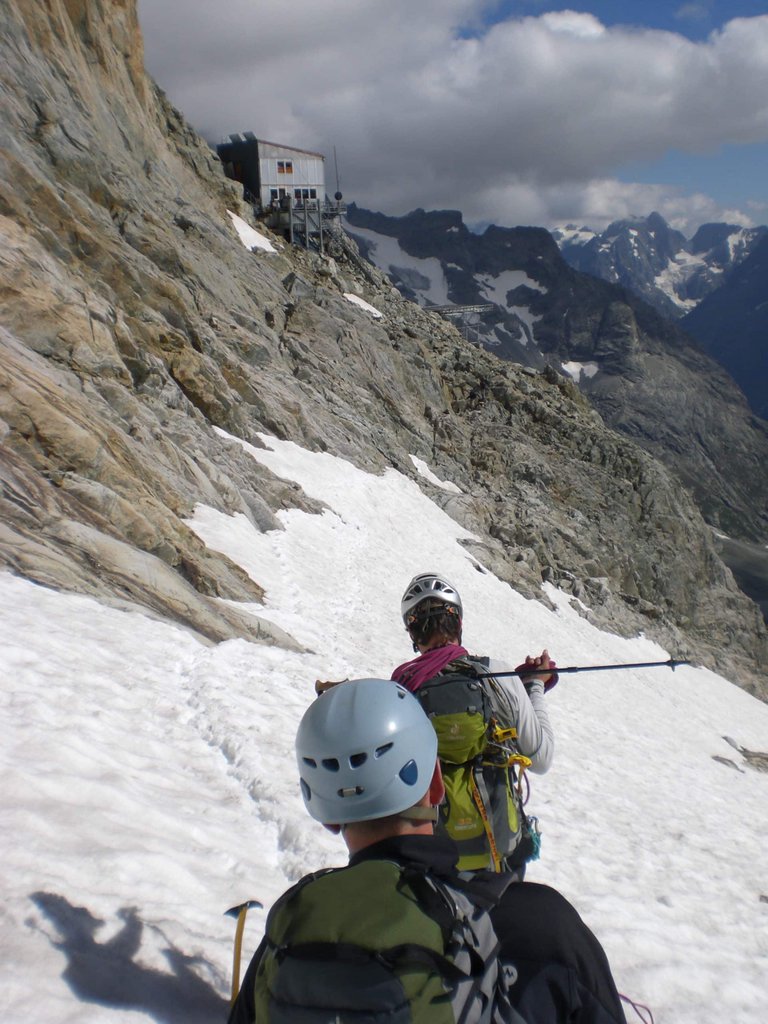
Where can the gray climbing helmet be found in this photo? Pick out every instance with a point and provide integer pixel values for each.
(428, 584)
(365, 749)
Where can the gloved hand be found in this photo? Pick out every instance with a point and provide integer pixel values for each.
(542, 661)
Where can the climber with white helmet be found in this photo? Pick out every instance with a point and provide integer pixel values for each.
(492, 726)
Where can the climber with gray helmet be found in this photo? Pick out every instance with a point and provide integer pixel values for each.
(398, 934)
(388, 766)
(502, 719)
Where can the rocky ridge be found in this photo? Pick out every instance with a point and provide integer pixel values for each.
(731, 325)
(645, 376)
(134, 322)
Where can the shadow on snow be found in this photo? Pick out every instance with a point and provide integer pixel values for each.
(106, 972)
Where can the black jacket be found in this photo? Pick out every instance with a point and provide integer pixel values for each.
(563, 972)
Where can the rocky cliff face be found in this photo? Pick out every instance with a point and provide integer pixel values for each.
(731, 325)
(134, 322)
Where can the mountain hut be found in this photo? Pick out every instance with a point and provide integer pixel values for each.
(286, 186)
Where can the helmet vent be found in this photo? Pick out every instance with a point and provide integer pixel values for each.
(409, 773)
(310, 762)
(330, 764)
(357, 760)
(382, 750)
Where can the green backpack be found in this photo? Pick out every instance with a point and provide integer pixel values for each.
(380, 943)
(483, 810)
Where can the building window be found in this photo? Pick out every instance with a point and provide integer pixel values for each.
(285, 166)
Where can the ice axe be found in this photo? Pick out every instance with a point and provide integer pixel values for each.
(238, 912)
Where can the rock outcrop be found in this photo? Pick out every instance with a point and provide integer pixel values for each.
(134, 322)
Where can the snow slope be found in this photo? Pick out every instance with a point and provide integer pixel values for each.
(148, 780)
(425, 275)
(249, 236)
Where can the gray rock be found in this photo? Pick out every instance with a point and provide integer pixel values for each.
(136, 323)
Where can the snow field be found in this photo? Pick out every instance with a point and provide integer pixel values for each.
(149, 779)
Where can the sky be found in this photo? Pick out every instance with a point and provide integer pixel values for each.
(148, 780)
(512, 111)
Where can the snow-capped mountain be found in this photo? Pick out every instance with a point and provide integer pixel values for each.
(639, 369)
(433, 259)
(654, 261)
(731, 324)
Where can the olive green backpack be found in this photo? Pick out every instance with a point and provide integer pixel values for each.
(483, 810)
(380, 943)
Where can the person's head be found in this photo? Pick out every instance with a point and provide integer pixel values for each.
(367, 758)
(431, 611)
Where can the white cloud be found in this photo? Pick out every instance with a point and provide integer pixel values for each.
(694, 11)
(603, 200)
(522, 117)
(574, 23)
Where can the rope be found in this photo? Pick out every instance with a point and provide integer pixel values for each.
(495, 857)
(642, 1011)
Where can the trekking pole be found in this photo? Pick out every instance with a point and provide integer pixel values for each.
(525, 673)
(238, 912)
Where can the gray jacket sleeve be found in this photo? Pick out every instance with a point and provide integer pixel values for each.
(535, 738)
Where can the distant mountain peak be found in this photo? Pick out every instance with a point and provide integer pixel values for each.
(657, 262)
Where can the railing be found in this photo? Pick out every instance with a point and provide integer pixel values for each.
(452, 310)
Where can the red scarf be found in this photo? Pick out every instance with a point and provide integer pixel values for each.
(411, 674)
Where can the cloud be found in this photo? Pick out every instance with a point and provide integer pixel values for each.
(426, 107)
(694, 11)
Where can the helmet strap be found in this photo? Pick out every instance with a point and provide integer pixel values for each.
(420, 813)
(432, 613)
(418, 623)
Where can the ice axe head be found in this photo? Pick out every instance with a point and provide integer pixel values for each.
(248, 905)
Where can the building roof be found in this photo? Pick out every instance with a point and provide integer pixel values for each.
(250, 137)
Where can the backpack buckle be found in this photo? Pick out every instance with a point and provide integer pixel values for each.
(499, 735)
(520, 760)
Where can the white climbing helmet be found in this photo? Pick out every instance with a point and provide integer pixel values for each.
(428, 584)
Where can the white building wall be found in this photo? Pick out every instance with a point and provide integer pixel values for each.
(282, 168)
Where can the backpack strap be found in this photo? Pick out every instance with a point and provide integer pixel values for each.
(432, 898)
(436, 900)
(296, 888)
(405, 955)
(484, 888)
(469, 664)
